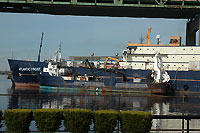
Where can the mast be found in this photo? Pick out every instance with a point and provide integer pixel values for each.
(59, 53)
(40, 47)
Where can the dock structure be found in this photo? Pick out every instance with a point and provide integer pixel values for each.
(176, 9)
(92, 58)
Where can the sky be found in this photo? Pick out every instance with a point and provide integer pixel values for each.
(20, 34)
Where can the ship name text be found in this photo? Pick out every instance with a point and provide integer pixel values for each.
(29, 69)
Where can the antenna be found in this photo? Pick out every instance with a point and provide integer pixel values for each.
(40, 47)
(60, 52)
(60, 46)
(141, 39)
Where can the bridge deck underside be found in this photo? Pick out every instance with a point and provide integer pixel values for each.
(115, 9)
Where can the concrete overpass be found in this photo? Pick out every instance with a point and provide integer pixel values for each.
(177, 9)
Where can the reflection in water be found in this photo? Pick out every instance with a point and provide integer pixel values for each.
(78, 98)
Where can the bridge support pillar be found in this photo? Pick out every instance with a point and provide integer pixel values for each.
(192, 27)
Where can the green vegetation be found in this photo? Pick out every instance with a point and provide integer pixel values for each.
(105, 120)
(135, 121)
(18, 120)
(77, 120)
(48, 120)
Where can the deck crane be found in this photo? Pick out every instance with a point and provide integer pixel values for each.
(148, 35)
(116, 65)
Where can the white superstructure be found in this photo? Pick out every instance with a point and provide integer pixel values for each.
(174, 57)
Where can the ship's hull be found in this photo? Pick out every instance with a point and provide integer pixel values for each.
(26, 73)
(179, 80)
(30, 74)
(106, 84)
(118, 80)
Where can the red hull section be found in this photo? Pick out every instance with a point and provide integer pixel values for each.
(26, 85)
(161, 88)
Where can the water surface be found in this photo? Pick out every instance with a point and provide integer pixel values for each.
(29, 98)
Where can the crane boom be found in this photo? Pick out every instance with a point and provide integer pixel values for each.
(107, 66)
(148, 35)
(112, 58)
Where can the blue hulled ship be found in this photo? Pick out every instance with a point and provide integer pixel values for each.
(146, 67)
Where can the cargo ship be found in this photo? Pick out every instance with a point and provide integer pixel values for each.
(53, 74)
(152, 68)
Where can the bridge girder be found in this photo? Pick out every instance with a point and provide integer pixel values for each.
(96, 9)
(114, 8)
